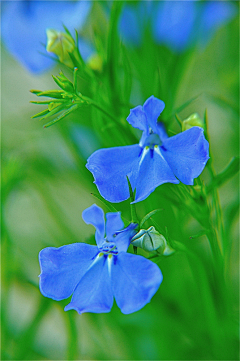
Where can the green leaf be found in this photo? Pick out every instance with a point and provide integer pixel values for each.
(199, 234)
(53, 111)
(67, 31)
(183, 106)
(178, 119)
(231, 169)
(35, 91)
(132, 205)
(107, 204)
(48, 93)
(44, 102)
(61, 116)
(150, 214)
(43, 112)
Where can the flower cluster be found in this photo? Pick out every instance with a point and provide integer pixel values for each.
(97, 274)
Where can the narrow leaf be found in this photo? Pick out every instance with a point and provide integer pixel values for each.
(35, 91)
(199, 234)
(150, 214)
(231, 169)
(49, 101)
(132, 205)
(54, 111)
(107, 204)
(61, 116)
(49, 93)
(178, 119)
(67, 31)
(43, 112)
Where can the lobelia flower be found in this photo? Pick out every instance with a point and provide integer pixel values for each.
(176, 24)
(157, 159)
(24, 25)
(97, 274)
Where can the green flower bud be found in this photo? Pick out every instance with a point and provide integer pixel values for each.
(149, 240)
(60, 44)
(193, 121)
(95, 62)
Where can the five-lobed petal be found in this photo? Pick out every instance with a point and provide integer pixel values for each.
(93, 292)
(156, 160)
(63, 267)
(95, 276)
(110, 168)
(135, 280)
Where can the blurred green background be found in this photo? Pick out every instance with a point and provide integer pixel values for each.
(45, 188)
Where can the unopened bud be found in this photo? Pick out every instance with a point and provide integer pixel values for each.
(95, 62)
(149, 240)
(60, 44)
(192, 121)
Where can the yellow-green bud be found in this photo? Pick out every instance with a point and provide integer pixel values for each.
(193, 121)
(60, 44)
(95, 62)
(149, 240)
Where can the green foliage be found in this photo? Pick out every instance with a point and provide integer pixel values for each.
(64, 101)
(45, 188)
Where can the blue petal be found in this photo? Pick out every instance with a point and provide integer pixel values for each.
(113, 223)
(94, 215)
(134, 280)
(110, 167)
(137, 118)
(187, 154)
(94, 292)
(153, 107)
(24, 26)
(123, 237)
(154, 171)
(63, 267)
(161, 131)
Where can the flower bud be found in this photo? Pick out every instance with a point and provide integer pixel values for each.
(95, 62)
(60, 44)
(149, 240)
(192, 121)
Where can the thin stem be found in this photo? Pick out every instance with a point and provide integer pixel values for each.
(96, 105)
(132, 205)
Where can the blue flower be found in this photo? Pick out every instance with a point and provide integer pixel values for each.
(24, 25)
(157, 159)
(176, 24)
(96, 274)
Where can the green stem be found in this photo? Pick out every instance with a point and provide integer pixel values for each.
(96, 105)
(132, 205)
